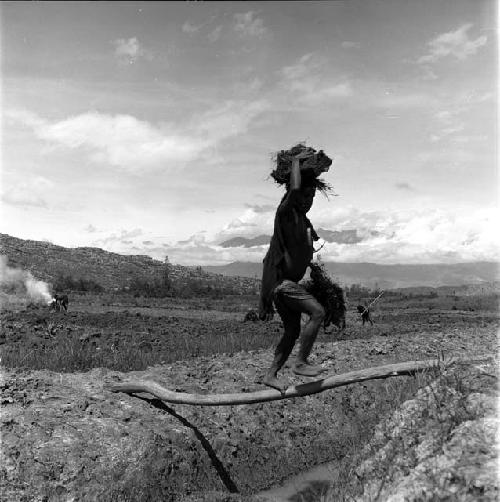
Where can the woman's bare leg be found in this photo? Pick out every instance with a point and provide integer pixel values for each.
(291, 324)
(308, 337)
(316, 314)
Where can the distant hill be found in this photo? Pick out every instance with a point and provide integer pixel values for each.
(337, 236)
(260, 240)
(387, 276)
(110, 270)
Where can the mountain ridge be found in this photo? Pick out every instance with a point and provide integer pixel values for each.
(112, 270)
(334, 236)
(392, 276)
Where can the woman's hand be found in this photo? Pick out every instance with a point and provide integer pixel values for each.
(302, 155)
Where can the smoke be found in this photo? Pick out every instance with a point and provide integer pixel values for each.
(17, 282)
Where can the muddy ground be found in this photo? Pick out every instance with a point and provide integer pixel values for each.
(65, 437)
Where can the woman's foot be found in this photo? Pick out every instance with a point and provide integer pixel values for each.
(272, 381)
(306, 369)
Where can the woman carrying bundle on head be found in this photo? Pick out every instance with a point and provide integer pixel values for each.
(290, 253)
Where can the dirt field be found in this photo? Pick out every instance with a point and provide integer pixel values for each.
(66, 437)
(132, 333)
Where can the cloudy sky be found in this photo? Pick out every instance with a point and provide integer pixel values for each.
(149, 128)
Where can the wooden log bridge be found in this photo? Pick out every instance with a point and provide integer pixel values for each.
(305, 389)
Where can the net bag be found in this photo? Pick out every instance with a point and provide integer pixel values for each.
(329, 294)
(311, 167)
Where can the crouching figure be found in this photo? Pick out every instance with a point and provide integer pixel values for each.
(59, 302)
(252, 316)
(365, 314)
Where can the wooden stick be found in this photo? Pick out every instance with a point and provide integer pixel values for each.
(306, 389)
(372, 302)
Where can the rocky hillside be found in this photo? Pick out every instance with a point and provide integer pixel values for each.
(110, 270)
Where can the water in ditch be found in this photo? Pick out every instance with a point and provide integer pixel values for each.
(307, 486)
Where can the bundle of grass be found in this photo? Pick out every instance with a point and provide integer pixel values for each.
(311, 167)
(329, 294)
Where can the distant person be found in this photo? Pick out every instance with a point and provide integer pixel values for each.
(59, 302)
(365, 314)
(289, 255)
(252, 316)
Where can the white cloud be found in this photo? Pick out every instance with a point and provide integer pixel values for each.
(421, 236)
(417, 236)
(456, 158)
(129, 50)
(209, 254)
(228, 119)
(128, 47)
(306, 64)
(404, 186)
(403, 100)
(340, 90)
(123, 237)
(249, 86)
(350, 45)
(134, 145)
(306, 81)
(261, 208)
(252, 222)
(120, 140)
(448, 124)
(190, 28)
(472, 138)
(25, 117)
(428, 73)
(454, 43)
(455, 117)
(215, 34)
(474, 97)
(407, 236)
(412, 236)
(248, 25)
(31, 191)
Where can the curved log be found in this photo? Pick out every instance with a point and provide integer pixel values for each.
(306, 389)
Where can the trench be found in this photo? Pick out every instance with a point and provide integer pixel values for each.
(308, 486)
(217, 464)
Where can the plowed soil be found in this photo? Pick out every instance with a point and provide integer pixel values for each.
(66, 437)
